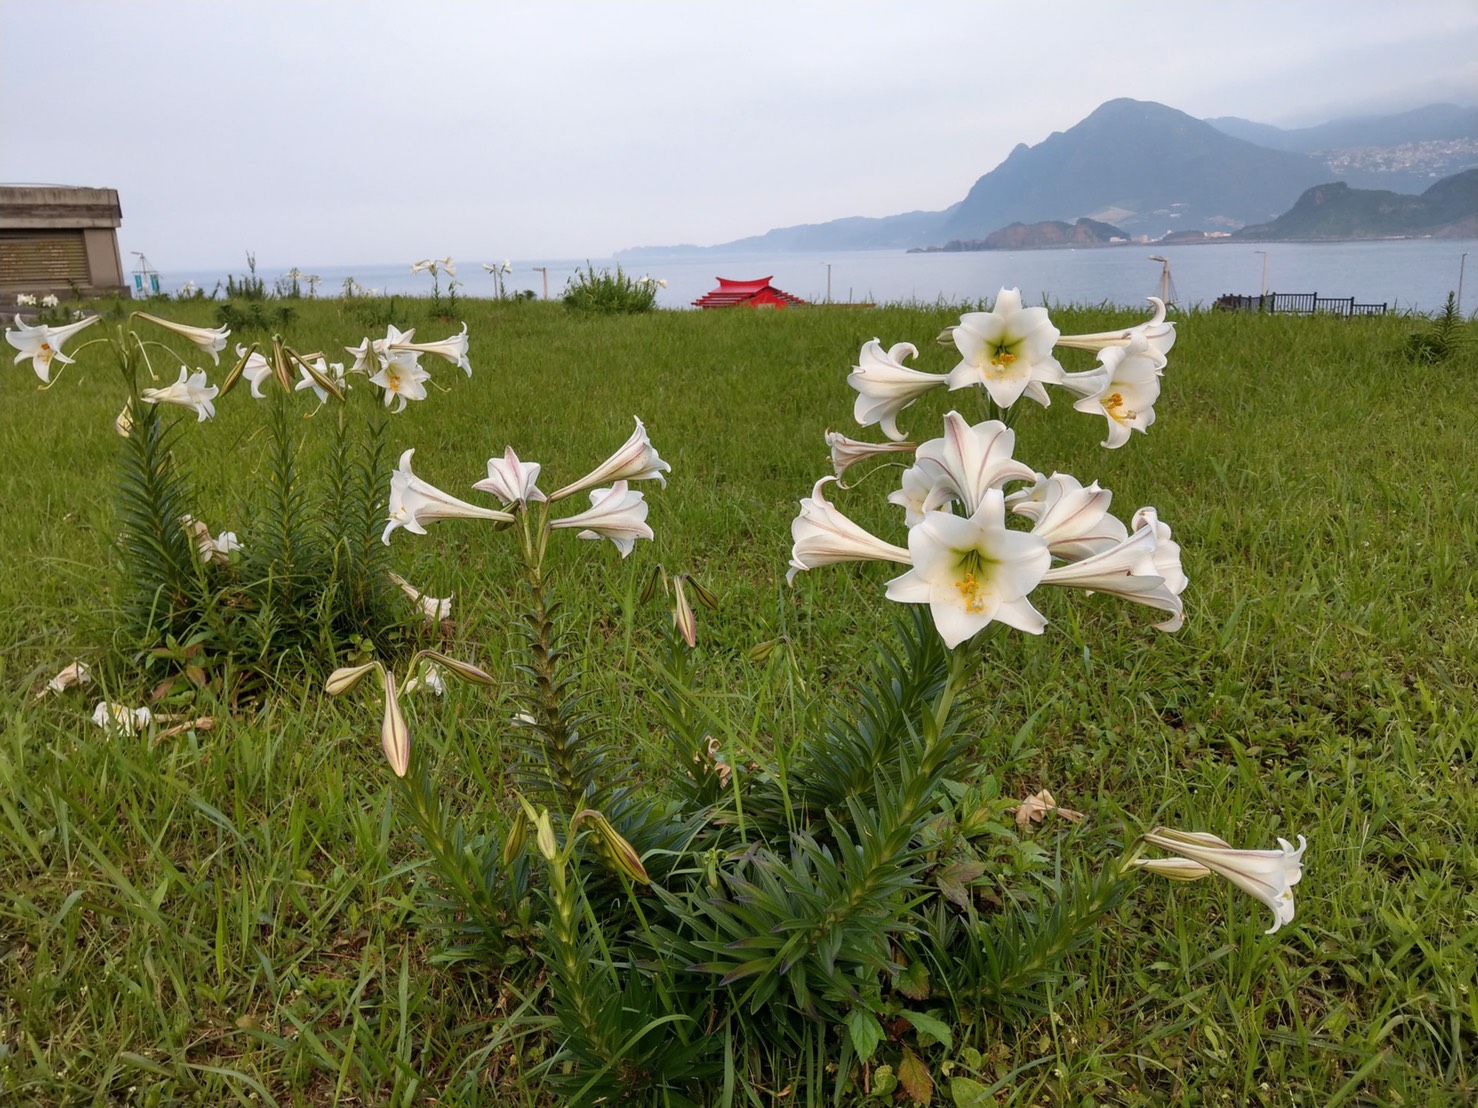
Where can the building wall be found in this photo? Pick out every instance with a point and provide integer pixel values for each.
(54, 239)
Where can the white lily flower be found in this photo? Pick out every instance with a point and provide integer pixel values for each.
(256, 371)
(372, 353)
(43, 344)
(24, 300)
(1128, 399)
(415, 503)
(1127, 570)
(421, 266)
(401, 378)
(453, 349)
(972, 571)
(433, 609)
(49, 301)
(1007, 350)
(845, 452)
(332, 372)
(1072, 520)
(885, 386)
(617, 513)
(190, 391)
(211, 340)
(511, 480)
(968, 461)
(823, 536)
(366, 355)
(1035, 807)
(1155, 331)
(636, 460)
(1268, 875)
(1167, 551)
(74, 675)
(121, 719)
(1089, 382)
(913, 494)
(428, 676)
(211, 549)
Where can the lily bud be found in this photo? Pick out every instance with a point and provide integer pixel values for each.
(649, 588)
(622, 854)
(544, 835)
(465, 670)
(682, 614)
(516, 840)
(238, 369)
(320, 380)
(702, 595)
(345, 678)
(123, 424)
(762, 651)
(279, 365)
(395, 735)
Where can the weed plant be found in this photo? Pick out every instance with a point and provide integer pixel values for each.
(1442, 339)
(602, 292)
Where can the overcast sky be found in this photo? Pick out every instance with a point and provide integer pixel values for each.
(325, 133)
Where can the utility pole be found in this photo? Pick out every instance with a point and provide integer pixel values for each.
(1264, 254)
(1461, 265)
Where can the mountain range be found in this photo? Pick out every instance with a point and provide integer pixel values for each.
(1151, 170)
(1449, 209)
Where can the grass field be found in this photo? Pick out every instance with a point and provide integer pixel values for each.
(232, 916)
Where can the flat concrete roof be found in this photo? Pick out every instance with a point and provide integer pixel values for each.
(57, 207)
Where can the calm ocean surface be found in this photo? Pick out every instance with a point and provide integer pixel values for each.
(1409, 275)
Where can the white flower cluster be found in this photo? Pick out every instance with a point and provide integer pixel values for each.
(1008, 353)
(967, 564)
(396, 360)
(616, 512)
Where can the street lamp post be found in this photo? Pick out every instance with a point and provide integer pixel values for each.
(1461, 265)
(1264, 254)
(544, 269)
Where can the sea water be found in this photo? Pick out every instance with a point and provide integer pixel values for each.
(1409, 275)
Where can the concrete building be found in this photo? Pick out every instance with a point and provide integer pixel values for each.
(59, 239)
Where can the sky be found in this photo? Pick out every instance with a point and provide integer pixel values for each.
(320, 132)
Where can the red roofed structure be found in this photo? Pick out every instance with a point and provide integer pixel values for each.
(758, 293)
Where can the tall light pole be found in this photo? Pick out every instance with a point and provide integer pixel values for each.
(828, 281)
(1461, 265)
(544, 269)
(1264, 254)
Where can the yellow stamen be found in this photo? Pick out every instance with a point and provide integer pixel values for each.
(1002, 357)
(971, 592)
(1113, 404)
